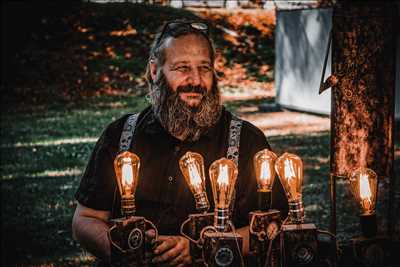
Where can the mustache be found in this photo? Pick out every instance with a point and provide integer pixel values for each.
(191, 89)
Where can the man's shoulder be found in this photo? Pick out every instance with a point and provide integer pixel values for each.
(248, 128)
(115, 127)
(252, 138)
(252, 132)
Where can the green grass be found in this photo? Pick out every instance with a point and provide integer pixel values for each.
(42, 158)
(45, 150)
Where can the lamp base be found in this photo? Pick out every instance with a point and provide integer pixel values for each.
(264, 200)
(368, 224)
(223, 249)
(128, 207)
(202, 204)
(221, 218)
(296, 212)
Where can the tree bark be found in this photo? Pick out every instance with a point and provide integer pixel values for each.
(362, 115)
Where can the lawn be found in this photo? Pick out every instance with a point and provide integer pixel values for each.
(45, 151)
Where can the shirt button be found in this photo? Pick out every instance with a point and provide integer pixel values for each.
(177, 148)
(170, 179)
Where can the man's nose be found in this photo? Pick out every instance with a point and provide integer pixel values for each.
(195, 78)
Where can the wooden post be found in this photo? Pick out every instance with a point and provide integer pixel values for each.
(362, 116)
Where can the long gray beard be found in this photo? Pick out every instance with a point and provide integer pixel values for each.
(180, 120)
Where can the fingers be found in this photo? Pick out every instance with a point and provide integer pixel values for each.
(181, 260)
(174, 250)
(177, 260)
(167, 242)
(167, 250)
(150, 233)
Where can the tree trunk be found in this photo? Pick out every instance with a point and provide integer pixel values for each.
(362, 116)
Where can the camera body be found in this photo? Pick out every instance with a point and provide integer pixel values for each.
(128, 242)
(299, 245)
(223, 249)
(197, 222)
(264, 227)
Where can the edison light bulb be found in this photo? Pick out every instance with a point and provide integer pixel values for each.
(290, 171)
(363, 185)
(126, 166)
(192, 168)
(264, 162)
(223, 175)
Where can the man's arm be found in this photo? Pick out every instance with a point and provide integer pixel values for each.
(89, 228)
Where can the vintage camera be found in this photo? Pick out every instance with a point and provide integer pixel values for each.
(194, 225)
(223, 249)
(373, 251)
(299, 245)
(128, 241)
(264, 227)
(305, 245)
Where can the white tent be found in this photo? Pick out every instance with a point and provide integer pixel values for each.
(301, 39)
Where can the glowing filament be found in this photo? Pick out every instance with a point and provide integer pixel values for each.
(223, 178)
(289, 172)
(365, 192)
(265, 172)
(127, 174)
(195, 178)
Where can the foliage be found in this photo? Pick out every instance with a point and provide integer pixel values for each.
(67, 53)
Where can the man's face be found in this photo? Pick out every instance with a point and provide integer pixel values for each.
(188, 68)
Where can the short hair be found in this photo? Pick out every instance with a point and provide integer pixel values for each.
(157, 51)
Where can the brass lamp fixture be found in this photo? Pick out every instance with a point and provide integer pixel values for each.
(223, 175)
(290, 171)
(299, 240)
(222, 245)
(364, 185)
(264, 163)
(192, 168)
(126, 166)
(264, 223)
(127, 234)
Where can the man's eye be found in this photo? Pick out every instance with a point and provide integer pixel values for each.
(205, 69)
(183, 68)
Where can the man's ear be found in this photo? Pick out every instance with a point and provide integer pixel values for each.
(153, 69)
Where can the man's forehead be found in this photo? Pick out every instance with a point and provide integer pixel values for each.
(186, 48)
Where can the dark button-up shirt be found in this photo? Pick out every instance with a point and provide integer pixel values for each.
(162, 195)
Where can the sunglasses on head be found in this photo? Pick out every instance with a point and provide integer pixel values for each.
(183, 25)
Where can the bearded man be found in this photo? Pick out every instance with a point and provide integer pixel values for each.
(185, 115)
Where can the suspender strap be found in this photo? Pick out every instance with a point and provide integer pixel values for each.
(233, 149)
(234, 139)
(127, 132)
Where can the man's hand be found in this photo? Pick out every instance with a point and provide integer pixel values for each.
(173, 250)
